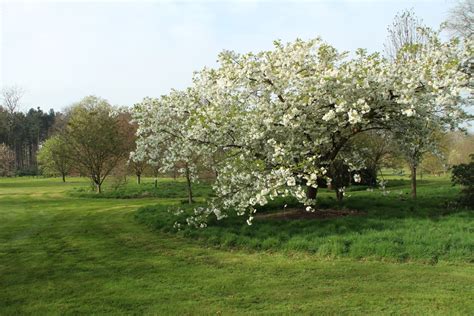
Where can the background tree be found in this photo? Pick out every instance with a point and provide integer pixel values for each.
(373, 149)
(413, 135)
(7, 161)
(164, 139)
(403, 32)
(129, 129)
(138, 167)
(415, 138)
(461, 19)
(55, 157)
(11, 98)
(155, 171)
(435, 161)
(23, 132)
(95, 139)
(460, 146)
(463, 174)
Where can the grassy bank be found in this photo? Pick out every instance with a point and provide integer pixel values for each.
(389, 227)
(61, 254)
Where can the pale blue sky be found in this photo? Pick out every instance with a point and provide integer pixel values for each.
(60, 52)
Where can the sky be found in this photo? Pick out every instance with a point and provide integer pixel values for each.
(59, 52)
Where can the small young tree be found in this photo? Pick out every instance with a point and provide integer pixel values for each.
(55, 157)
(7, 161)
(415, 135)
(137, 166)
(155, 170)
(95, 138)
(164, 137)
(415, 138)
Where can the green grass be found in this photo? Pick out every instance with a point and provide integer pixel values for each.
(395, 228)
(166, 188)
(61, 254)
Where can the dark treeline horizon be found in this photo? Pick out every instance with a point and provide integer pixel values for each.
(23, 133)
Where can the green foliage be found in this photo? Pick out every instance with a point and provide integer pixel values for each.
(96, 139)
(463, 174)
(23, 132)
(54, 157)
(26, 171)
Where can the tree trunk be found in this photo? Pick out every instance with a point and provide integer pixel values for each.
(156, 183)
(188, 180)
(339, 195)
(64, 177)
(311, 193)
(138, 178)
(413, 182)
(99, 188)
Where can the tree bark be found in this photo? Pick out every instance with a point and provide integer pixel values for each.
(138, 178)
(311, 193)
(64, 177)
(188, 180)
(413, 182)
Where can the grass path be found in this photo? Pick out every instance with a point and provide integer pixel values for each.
(63, 255)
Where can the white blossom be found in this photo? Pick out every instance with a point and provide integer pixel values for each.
(263, 120)
(357, 178)
(329, 115)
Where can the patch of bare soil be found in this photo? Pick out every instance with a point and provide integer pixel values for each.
(297, 213)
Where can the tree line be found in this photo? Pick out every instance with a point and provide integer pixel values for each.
(22, 133)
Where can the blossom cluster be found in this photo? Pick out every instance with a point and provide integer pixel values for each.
(270, 123)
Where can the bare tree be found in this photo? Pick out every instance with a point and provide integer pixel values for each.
(404, 31)
(11, 100)
(461, 19)
(11, 97)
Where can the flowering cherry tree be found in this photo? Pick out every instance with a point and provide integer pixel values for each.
(165, 137)
(276, 120)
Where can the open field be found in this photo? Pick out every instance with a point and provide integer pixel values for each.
(66, 254)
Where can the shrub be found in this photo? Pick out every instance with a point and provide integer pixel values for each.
(463, 174)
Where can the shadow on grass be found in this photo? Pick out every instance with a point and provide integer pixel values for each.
(395, 227)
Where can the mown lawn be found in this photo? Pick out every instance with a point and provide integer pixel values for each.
(65, 254)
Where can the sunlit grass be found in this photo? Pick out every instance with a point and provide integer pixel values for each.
(61, 254)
